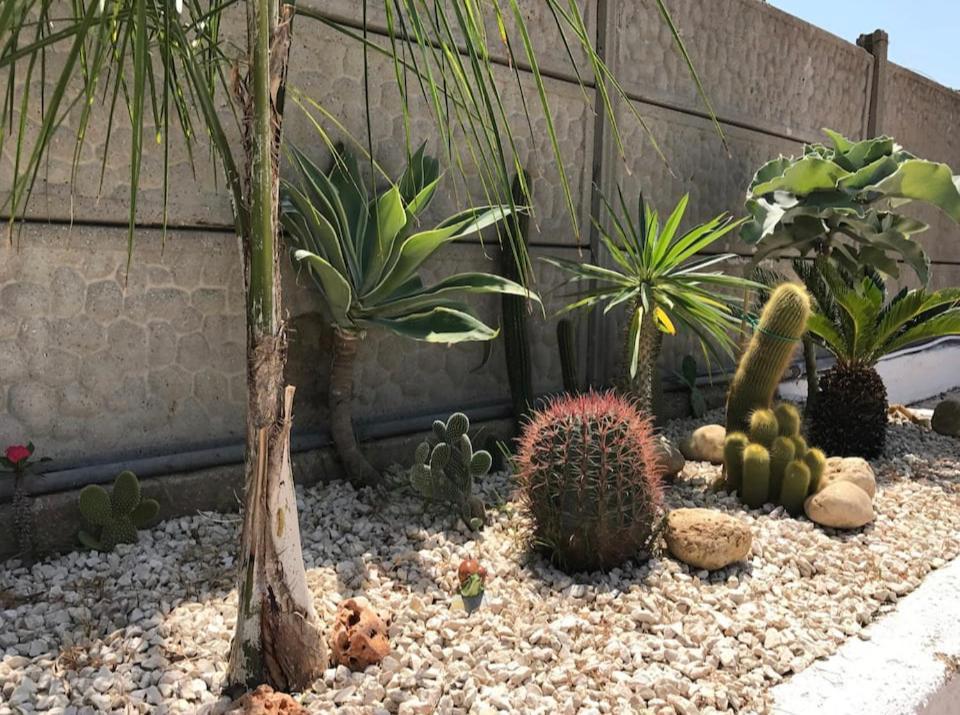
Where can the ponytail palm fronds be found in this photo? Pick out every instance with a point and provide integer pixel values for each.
(364, 252)
(856, 322)
(660, 276)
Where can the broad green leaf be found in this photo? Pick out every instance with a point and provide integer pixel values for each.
(333, 286)
(804, 177)
(439, 325)
(388, 219)
(925, 181)
(459, 283)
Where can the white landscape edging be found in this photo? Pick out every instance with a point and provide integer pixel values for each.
(902, 669)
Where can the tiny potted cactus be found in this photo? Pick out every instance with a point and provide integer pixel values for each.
(473, 578)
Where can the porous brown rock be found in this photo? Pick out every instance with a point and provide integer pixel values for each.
(265, 701)
(359, 636)
(706, 538)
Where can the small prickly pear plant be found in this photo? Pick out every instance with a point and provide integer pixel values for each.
(445, 469)
(118, 514)
(772, 463)
(589, 476)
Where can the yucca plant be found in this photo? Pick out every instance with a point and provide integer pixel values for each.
(659, 277)
(363, 254)
(854, 321)
(165, 67)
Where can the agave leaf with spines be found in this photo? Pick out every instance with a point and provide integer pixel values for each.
(838, 200)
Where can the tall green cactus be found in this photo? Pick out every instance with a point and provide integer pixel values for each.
(782, 323)
(796, 486)
(514, 307)
(445, 471)
(755, 490)
(118, 514)
(567, 343)
(782, 453)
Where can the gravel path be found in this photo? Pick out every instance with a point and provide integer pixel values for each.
(147, 629)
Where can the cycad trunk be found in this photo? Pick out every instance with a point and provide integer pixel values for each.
(340, 402)
(643, 386)
(278, 640)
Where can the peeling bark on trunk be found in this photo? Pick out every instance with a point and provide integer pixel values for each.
(358, 469)
(643, 388)
(278, 639)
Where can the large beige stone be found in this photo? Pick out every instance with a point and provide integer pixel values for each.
(705, 444)
(841, 505)
(855, 470)
(707, 539)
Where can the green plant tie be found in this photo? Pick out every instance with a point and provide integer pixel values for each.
(755, 324)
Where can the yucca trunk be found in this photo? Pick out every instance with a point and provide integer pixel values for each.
(278, 640)
(340, 402)
(643, 386)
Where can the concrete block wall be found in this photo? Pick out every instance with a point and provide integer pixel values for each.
(95, 363)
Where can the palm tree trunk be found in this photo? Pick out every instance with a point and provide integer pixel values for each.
(278, 640)
(340, 400)
(643, 386)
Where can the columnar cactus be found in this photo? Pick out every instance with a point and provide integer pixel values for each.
(118, 514)
(567, 343)
(514, 307)
(445, 470)
(772, 463)
(589, 474)
(782, 323)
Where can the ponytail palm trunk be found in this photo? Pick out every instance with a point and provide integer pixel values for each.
(278, 638)
(647, 342)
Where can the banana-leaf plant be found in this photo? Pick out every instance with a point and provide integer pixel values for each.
(855, 321)
(363, 253)
(658, 275)
(839, 201)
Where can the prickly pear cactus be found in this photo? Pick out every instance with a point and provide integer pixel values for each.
(444, 471)
(118, 514)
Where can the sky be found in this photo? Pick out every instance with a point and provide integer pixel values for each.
(924, 34)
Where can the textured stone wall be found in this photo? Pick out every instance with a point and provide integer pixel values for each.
(95, 362)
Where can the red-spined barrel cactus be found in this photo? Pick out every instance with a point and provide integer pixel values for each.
(589, 474)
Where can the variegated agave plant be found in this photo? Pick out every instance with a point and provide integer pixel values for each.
(364, 250)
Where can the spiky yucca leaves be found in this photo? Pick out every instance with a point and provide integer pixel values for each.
(850, 416)
(589, 475)
(444, 471)
(118, 514)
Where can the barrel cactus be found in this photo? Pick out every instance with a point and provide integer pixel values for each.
(445, 469)
(118, 514)
(782, 323)
(589, 476)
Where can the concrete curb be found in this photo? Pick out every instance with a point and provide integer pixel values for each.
(909, 665)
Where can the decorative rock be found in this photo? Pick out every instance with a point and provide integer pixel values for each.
(707, 539)
(670, 457)
(705, 444)
(946, 418)
(849, 469)
(841, 505)
(264, 701)
(359, 637)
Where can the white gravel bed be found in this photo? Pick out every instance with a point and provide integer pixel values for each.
(147, 628)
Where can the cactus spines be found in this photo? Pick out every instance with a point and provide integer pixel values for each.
(782, 453)
(796, 485)
(763, 427)
(800, 446)
(782, 323)
(567, 343)
(118, 514)
(733, 447)
(514, 307)
(755, 490)
(445, 471)
(589, 473)
(816, 462)
(788, 417)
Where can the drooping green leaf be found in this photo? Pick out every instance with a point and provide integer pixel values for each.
(439, 325)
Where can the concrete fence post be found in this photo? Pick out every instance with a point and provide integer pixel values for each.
(876, 43)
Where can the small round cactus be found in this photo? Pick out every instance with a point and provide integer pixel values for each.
(788, 417)
(764, 427)
(589, 476)
(816, 462)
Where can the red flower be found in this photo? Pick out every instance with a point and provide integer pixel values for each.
(16, 453)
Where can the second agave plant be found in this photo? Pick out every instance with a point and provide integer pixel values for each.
(363, 251)
(659, 276)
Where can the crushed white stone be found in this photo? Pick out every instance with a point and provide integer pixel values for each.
(147, 629)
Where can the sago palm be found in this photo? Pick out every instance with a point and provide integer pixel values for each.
(164, 67)
(363, 253)
(658, 276)
(854, 321)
